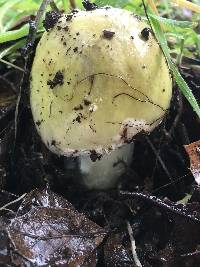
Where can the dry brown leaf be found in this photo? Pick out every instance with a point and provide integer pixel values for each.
(193, 151)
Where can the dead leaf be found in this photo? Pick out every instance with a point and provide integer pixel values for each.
(193, 151)
(115, 253)
(48, 231)
(4, 243)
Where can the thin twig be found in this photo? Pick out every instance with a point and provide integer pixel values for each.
(12, 202)
(159, 158)
(9, 210)
(11, 64)
(146, 13)
(7, 81)
(133, 246)
(179, 113)
(179, 209)
(173, 182)
(30, 41)
(39, 15)
(191, 254)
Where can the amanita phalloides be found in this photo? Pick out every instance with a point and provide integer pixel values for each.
(99, 78)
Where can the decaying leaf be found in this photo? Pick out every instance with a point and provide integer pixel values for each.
(4, 243)
(193, 151)
(116, 252)
(48, 231)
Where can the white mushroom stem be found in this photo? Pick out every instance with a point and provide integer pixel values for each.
(105, 172)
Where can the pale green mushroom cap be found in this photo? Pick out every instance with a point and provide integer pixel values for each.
(113, 82)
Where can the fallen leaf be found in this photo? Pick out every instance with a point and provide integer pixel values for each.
(193, 151)
(4, 243)
(116, 253)
(48, 231)
(190, 211)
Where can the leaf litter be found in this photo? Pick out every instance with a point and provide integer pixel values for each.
(48, 231)
(193, 151)
(166, 233)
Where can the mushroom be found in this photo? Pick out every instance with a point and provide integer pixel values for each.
(98, 79)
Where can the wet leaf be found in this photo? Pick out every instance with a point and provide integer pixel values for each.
(4, 243)
(48, 231)
(190, 211)
(193, 151)
(42, 198)
(115, 253)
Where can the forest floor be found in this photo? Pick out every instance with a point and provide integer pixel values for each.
(47, 218)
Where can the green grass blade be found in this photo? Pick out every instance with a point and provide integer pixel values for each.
(26, 6)
(4, 9)
(65, 5)
(176, 23)
(115, 3)
(179, 79)
(15, 34)
(12, 48)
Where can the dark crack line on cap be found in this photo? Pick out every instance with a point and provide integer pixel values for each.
(137, 99)
(91, 78)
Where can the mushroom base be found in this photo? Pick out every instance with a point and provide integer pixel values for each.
(105, 172)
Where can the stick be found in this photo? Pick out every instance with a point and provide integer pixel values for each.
(133, 246)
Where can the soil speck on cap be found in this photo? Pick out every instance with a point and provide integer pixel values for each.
(108, 34)
(94, 156)
(75, 49)
(66, 28)
(124, 134)
(57, 80)
(68, 50)
(69, 17)
(79, 107)
(137, 17)
(78, 119)
(51, 19)
(74, 11)
(53, 143)
(86, 102)
(38, 123)
(145, 33)
(89, 6)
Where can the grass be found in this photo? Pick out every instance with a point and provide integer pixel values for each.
(166, 28)
(177, 76)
